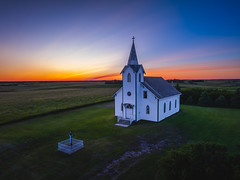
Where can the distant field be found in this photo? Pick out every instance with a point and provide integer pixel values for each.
(19, 100)
(23, 99)
(28, 150)
(228, 84)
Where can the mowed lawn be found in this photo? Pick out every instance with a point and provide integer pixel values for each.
(28, 150)
(20, 100)
(197, 124)
(218, 125)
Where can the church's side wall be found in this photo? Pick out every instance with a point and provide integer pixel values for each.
(150, 101)
(118, 102)
(169, 111)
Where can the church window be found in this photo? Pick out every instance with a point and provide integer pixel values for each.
(175, 103)
(122, 107)
(169, 105)
(147, 109)
(129, 106)
(145, 94)
(164, 110)
(129, 77)
(140, 77)
(129, 93)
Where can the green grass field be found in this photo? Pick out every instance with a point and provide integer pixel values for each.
(217, 125)
(28, 150)
(197, 124)
(20, 100)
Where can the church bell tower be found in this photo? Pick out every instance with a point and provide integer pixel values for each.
(132, 75)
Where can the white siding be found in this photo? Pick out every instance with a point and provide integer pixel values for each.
(129, 87)
(151, 101)
(168, 112)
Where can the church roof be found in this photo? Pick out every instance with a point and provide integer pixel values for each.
(132, 60)
(135, 68)
(159, 87)
(117, 92)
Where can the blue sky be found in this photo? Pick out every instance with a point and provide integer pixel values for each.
(76, 40)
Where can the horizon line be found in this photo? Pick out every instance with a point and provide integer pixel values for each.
(107, 80)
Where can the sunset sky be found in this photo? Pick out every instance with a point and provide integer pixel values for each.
(91, 39)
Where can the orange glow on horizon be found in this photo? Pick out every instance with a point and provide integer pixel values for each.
(203, 70)
(231, 72)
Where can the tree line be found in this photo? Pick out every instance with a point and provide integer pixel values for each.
(210, 97)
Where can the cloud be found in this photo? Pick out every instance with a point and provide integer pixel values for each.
(107, 77)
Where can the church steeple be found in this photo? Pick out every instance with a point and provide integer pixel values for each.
(132, 60)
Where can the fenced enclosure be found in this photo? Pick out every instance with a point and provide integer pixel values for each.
(66, 147)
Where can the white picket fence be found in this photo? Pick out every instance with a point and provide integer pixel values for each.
(66, 147)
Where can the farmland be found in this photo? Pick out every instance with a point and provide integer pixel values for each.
(228, 84)
(19, 100)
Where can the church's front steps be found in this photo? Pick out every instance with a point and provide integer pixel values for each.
(123, 123)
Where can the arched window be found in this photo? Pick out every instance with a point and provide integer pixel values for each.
(139, 77)
(175, 103)
(129, 77)
(147, 109)
(169, 105)
(164, 110)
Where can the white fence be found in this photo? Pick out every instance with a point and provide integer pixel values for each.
(66, 147)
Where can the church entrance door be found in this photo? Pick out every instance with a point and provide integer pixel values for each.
(129, 111)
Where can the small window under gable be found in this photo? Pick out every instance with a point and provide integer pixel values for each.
(129, 77)
(169, 105)
(175, 103)
(164, 110)
(147, 109)
(122, 107)
(139, 77)
(145, 94)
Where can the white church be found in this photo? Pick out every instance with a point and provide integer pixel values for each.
(142, 97)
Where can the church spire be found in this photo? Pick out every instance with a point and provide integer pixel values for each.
(132, 60)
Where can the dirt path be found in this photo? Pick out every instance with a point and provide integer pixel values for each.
(118, 166)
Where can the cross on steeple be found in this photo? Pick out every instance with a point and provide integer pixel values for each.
(132, 60)
(133, 38)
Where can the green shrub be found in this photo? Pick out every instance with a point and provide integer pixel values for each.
(221, 101)
(205, 99)
(198, 161)
(189, 101)
(235, 102)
